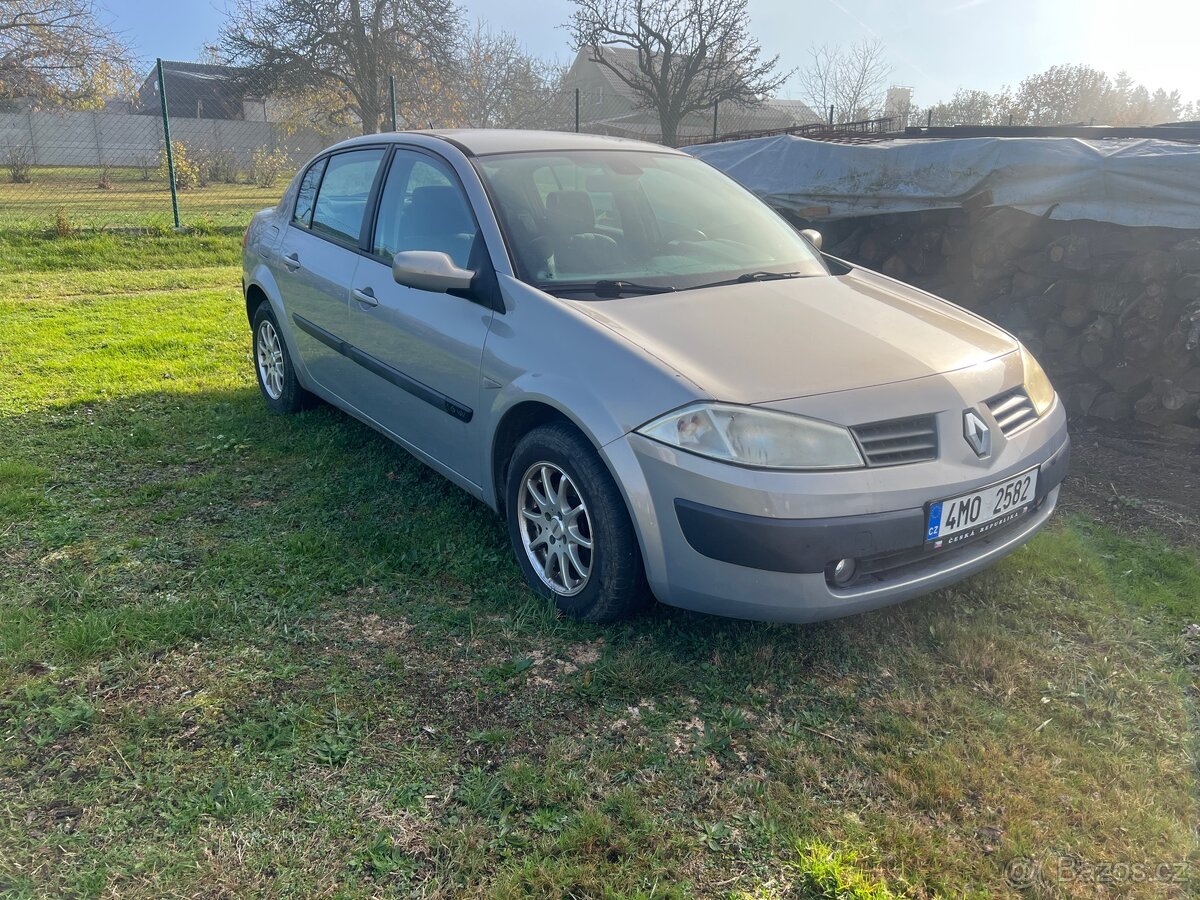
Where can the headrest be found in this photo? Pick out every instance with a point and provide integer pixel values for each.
(570, 212)
(438, 209)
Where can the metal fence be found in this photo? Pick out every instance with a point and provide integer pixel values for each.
(206, 145)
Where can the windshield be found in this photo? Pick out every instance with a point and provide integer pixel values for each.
(575, 219)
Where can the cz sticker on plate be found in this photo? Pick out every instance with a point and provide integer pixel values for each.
(969, 516)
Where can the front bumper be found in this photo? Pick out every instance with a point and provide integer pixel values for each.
(756, 544)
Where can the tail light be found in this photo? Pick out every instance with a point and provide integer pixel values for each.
(246, 238)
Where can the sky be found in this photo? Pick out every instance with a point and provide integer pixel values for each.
(934, 47)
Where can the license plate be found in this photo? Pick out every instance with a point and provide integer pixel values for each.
(971, 515)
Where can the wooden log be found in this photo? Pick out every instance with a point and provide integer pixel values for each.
(1190, 380)
(1187, 253)
(894, 267)
(1067, 292)
(1026, 285)
(1125, 378)
(917, 259)
(1149, 308)
(1187, 288)
(1165, 403)
(1111, 297)
(1091, 355)
(871, 248)
(1111, 406)
(1140, 340)
(1055, 337)
(1071, 252)
(1074, 316)
(1081, 396)
(1100, 331)
(932, 240)
(1155, 265)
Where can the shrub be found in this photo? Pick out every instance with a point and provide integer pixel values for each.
(187, 172)
(216, 166)
(266, 165)
(145, 164)
(63, 226)
(18, 161)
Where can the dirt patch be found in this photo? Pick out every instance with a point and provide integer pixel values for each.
(1135, 477)
(370, 629)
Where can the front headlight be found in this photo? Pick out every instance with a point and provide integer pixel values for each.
(756, 437)
(1037, 385)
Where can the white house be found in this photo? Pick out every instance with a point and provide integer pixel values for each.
(607, 105)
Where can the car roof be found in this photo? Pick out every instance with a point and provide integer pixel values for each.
(485, 141)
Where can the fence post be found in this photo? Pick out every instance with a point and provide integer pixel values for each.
(716, 106)
(96, 135)
(162, 99)
(32, 139)
(576, 110)
(392, 98)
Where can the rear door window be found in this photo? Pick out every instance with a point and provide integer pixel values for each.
(342, 199)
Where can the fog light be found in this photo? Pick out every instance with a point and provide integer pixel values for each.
(843, 571)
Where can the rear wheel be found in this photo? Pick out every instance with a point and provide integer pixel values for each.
(570, 529)
(273, 366)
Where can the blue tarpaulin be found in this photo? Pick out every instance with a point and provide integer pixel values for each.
(1128, 182)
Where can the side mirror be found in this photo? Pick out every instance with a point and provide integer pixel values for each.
(814, 237)
(429, 270)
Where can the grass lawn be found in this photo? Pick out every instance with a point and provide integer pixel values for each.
(247, 655)
(130, 201)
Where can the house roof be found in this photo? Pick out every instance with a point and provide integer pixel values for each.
(627, 58)
(202, 70)
(623, 57)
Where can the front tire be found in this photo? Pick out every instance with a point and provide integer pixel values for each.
(273, 366)
(570, 529)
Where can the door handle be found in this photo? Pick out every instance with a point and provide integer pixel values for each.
(366, 296)
(292, 261)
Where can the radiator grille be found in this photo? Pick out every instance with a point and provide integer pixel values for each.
(1012, 410)
(898, 441)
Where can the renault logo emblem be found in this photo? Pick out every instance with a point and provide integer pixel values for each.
(977, 433)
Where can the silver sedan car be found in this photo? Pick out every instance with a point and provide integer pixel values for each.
(662, 386)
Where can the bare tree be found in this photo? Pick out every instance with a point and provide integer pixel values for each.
(500, 85)
(851, 80)
(297, 46)
(59, 51)
(690, 54)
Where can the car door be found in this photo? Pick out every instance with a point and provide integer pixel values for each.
(317, 256)
(420, 377)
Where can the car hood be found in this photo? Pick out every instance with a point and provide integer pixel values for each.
(777, 340)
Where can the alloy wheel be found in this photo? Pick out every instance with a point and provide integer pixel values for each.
(555, 528)
(269, 354)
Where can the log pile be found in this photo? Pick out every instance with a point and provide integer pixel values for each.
(1112, 312)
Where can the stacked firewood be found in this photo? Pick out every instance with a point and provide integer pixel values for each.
(1112, 312)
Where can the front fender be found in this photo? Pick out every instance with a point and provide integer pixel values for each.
(550, 351)
(592, 416)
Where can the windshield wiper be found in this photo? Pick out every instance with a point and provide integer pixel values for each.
(608, 289)
(747, 277)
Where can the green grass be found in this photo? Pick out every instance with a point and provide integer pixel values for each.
(244, 655)
(129, 201)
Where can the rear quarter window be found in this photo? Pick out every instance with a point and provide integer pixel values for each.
(307, 194)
